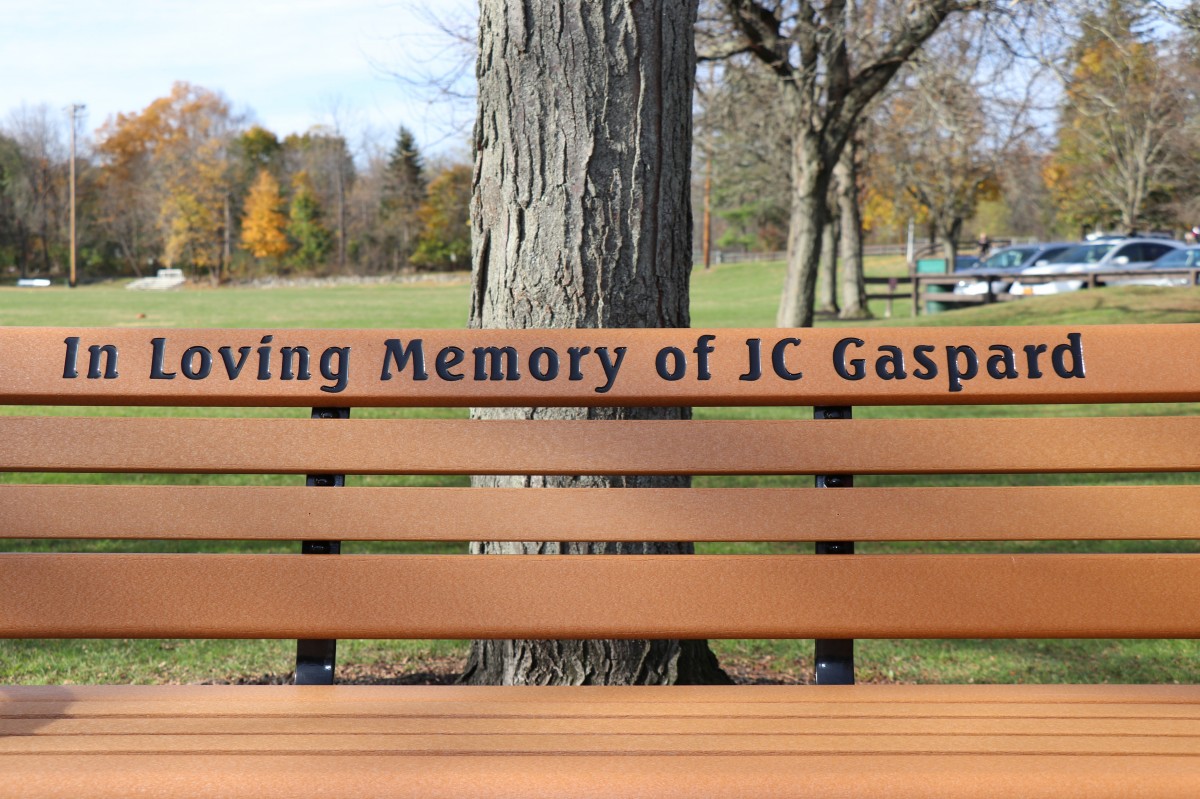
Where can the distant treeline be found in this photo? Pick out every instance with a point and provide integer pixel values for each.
(187, 183)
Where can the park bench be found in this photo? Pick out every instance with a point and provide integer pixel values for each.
(830, 739)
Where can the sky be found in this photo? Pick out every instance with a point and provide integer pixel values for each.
(285, 61)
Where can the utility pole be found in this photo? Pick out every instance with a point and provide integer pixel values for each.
(707, 223)
(706, 245)
(74, 109)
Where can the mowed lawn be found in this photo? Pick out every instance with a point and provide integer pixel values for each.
(743, 295)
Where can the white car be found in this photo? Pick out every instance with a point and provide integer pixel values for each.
(1099, 256)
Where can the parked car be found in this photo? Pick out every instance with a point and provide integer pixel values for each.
(1098, 256)
(1182, 258)
(1005, 263)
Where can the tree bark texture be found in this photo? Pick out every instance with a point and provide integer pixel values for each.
(827, 282)
(806, 219)
(850, 247)
(582, 218)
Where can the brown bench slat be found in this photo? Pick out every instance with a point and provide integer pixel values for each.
(288, 513)
(585, 725)
(598, 777)
(1097, 702)
(855, 755)
(1122, 363)
(293, 596)
(860, 446)
(308, 744)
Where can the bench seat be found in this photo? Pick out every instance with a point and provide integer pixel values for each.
(368, 741)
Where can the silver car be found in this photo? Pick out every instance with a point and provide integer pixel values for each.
(1004, 264)
(1182, 258)
(1097, 256)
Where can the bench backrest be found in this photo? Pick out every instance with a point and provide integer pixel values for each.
(835, 596)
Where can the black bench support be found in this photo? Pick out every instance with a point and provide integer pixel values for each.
(315, 657)
(834, 657)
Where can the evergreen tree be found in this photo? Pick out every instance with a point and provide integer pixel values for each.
(312, 239)
(406, 172)
(403, 193)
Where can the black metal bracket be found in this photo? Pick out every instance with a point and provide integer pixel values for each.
(834, 657)
(316, 657)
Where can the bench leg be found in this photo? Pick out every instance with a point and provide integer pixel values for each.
(834, 657)
(316, 657)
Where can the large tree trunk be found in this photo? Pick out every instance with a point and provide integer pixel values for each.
(809, 207)
(827, 282)
(582, 218)
(854, 286)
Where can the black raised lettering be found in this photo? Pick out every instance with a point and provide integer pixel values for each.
(187, 364)
(264, 359)
(397, 353)
(779, 359)
(1074, 349)
(1002, 366)
(610, 368)
(339, 374)
(929, 367)
(674, 371)
(71, 362)
(857, 367)
(157, 370)
(703, 349)
(957, 375)
(233, 368)
(754, 352)
(446, 358)
(289, 354)
(500, 370)
(109, 351)
(1032, 351)
(890, 365)
(550, 371)
(576, 354)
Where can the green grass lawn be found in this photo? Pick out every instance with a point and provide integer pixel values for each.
(736, 295)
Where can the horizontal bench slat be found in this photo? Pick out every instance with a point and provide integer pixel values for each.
(460, 446)
(1095, 702)
(1137, 363)
(298, 596)
(879, 776)
(289, 513)
(621, 744)
(348, 724)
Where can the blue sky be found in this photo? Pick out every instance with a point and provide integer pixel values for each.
(282, 60)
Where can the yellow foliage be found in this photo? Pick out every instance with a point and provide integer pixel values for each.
(172, 154)
(879, 211)
(264, 223)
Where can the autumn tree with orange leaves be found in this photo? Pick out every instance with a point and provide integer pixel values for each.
(168, 176)
(264, 224)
